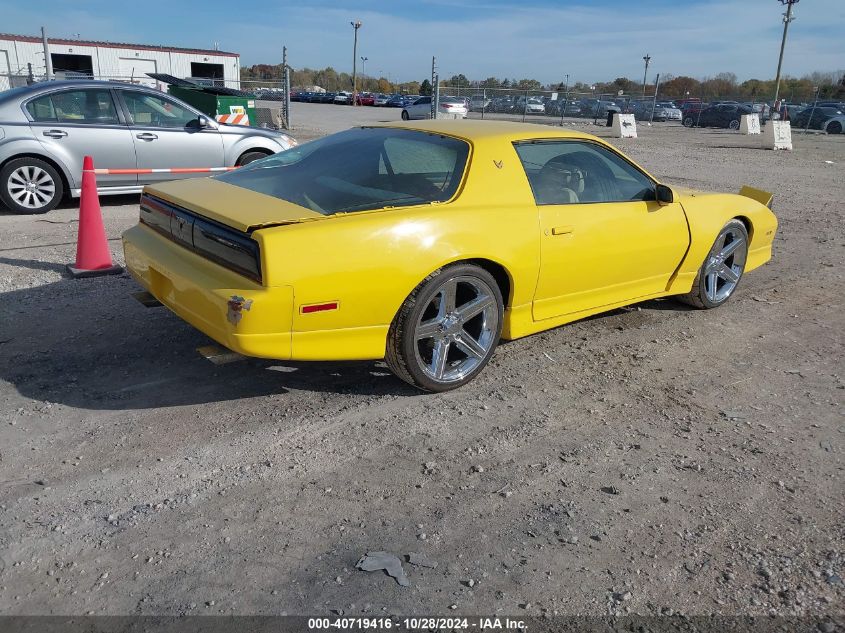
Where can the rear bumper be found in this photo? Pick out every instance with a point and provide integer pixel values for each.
(202, 292)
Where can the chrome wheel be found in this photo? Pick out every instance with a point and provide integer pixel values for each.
(31, 187)
(724, 267)
(457, 330)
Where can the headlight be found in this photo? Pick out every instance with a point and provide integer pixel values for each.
(292, 142)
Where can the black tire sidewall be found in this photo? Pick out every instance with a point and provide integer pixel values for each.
(405, 115)
(251, 157)
(14, 164)
(701, 289)
(421, 298)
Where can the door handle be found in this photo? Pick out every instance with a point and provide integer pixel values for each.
(146, 136)
(562, 230)
(55, 133)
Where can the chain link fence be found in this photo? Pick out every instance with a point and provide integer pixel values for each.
(562, 106)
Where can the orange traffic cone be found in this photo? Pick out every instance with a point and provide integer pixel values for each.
(93, 257)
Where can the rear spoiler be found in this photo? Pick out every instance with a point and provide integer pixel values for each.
(763, 197)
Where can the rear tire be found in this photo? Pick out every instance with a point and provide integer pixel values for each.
(734, 125)
(447, 329)
(405, 115)
(722, 269)
(835, 127)
(30, 185)
(688, 121)
(251, 157)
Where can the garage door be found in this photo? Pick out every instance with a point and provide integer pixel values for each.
(132, 68)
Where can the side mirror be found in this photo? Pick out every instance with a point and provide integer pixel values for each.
(664, 194)
(202, 122)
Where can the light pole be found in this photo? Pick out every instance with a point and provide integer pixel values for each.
(565, 98)
(355, 25)
(364, 71)
(787, 18)
(646, 59)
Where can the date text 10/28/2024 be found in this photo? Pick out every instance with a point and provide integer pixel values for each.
(417, 623)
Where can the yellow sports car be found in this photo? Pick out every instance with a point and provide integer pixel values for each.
(425, 243)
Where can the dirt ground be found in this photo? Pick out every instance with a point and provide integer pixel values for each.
(652, 460)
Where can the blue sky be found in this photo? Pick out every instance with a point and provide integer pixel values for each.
(540, 39)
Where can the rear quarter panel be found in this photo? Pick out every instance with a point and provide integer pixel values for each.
(18, 140)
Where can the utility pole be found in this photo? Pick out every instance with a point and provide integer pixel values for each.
(646, 59)
(787, 18)
(355, 25)
(48, 61)
(364, 73)
(286, 79)
(434, 88)
(654, 101)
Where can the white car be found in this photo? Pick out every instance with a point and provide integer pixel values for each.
(534, 105)
(343, 98)
(421, 108)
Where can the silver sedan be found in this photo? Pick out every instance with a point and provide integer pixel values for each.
(47, 128)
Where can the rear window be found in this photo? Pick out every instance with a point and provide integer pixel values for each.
(360, 169)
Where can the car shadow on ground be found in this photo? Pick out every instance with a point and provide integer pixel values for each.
(88, 344)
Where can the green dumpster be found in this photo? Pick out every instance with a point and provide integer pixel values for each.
(224, 108)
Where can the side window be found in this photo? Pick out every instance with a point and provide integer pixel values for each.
(92, 107)
(422, 101)
(41, 109)
(571, 172)
(147, 109)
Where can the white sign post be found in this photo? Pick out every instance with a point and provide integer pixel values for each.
(777, 135)
(750, 124)
(624, 126)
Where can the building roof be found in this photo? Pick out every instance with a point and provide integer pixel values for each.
(143, 47)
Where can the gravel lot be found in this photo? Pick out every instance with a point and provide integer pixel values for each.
(653, 460)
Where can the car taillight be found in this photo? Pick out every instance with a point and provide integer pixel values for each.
(226, 246)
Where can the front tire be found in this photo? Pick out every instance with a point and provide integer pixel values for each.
(721, 272)
(835, 127)
(405, 115)
(447, 329)
(734, 125)
(688, 121)
(251, 157)
(30, 185)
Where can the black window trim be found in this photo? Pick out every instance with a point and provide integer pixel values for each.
(118, 107)
(590, 142)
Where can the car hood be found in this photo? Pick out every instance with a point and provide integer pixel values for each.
(233, 206)
(226, 128)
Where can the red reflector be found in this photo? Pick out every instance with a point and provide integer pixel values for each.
(319, 307)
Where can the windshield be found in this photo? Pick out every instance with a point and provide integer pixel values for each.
(360, 169)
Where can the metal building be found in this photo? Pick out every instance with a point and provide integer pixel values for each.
(21, 55)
